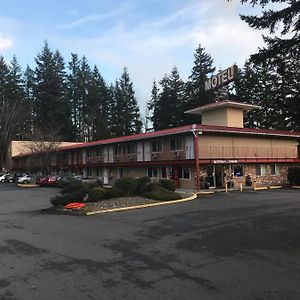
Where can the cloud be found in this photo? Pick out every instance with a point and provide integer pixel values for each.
(86, 20)
(153, 46)
(6, 42)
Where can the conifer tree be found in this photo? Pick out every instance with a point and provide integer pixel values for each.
(127, 115)
(51, 108)
(168, 105)
(287, 16)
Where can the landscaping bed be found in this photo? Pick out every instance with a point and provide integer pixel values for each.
(80, 198)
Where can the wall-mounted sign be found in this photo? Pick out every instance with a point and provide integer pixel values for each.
(221, 78)
(225, 161)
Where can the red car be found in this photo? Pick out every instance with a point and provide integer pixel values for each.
(42, 180)
(52, 180)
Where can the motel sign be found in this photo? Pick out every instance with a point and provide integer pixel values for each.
(221, 78)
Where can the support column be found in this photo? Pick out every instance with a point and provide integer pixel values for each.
(196, 150)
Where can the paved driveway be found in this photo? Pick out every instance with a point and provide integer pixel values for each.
(235, 246)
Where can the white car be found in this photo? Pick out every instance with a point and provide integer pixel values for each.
(24, 179)
(2, 177)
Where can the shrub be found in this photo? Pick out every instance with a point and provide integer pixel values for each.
(294, 175)
(97, 194)
(159, 193)
(79, 195)
(141, 184)
(149, 187)
(61, 200)
(127, 185)
(168, 184)
(74, 186)
(113, 193)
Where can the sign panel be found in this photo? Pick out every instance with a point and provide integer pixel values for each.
(221, 78)
(225, 161)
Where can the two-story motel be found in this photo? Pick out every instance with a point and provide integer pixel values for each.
(220, 147)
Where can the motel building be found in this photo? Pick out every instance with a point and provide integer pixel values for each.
(196, 156)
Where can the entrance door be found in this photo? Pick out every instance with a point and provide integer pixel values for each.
(219, 176)
(211, 178)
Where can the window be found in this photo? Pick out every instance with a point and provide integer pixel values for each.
(121, 172)
(163, 172)
(238, 171)
(152, 172)
(131, 149)
(156, 146)
(176, 144)
(260, 170)
(184, 172)
(89, 153)
(117, 150)
(99, 151)
(274, 169)
(99, 172)
(89, 172)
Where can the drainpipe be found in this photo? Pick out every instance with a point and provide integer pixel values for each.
(196, 151)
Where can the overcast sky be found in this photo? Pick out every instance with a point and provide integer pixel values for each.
(149, 37)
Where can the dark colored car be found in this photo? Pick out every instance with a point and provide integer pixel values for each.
(9, 178)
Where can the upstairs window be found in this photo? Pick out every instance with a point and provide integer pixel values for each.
(117, 150)
(131, 148)
(99, 151)
(176, 144)
(156, 146)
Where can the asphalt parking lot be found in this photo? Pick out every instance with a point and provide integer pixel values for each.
(223, 246)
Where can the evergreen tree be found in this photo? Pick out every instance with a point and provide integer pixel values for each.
(288, 17)
(51, 108)
(167, 106)
(202, 70)
(275, 89)
(127, 115)
(74, 95)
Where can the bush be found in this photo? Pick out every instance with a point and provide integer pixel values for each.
(61, 200)
(159, 193)
(74, 186)
(97, 194)
(113, 193)
(141, 184)
(294, 175)
(168, 184)
(149, 187)
(127, 185)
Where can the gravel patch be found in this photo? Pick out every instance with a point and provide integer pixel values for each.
(117, 203)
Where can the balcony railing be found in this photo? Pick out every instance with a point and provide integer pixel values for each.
(212, 152)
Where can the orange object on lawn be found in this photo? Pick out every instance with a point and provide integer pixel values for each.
(75, 205)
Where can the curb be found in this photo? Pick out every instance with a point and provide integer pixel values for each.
(27, 185)
(275, 187)
(193, 197)
(205, 193)
(296, 186)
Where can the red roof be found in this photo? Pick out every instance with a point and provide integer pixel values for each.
(183, 129)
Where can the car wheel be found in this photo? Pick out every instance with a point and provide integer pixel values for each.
(25, 181)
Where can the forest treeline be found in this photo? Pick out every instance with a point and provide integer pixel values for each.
(72, 101)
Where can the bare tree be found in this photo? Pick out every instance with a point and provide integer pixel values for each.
(42, 146)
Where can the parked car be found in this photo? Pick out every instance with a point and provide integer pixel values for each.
(25, 179)
(42, 180)
(52, 180)
(2, 177)
(9, 178)
(65, 179)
